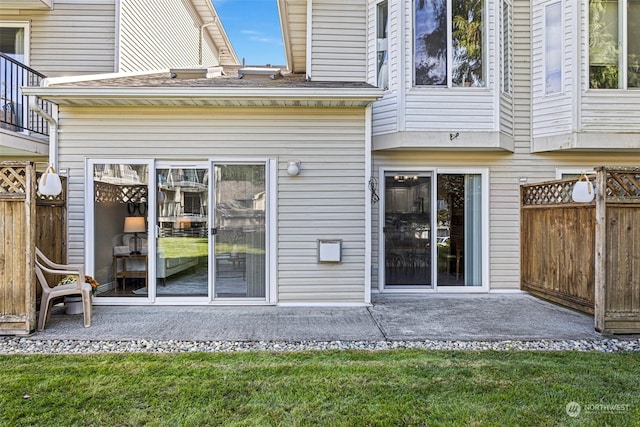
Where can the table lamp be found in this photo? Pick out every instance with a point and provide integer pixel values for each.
(135, 225)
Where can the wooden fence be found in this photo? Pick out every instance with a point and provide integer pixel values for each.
(27, 219)
(585, 256)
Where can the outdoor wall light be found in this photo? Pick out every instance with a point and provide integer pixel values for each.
(583, 191)
(50, 184)
(293, 167)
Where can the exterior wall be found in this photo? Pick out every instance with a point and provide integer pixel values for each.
(76, 37)
(326, 201)
(338, 45)
(505, 169)
(152, 32)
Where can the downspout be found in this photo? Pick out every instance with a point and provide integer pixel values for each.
(201, 41)
(309, 37)
(53, 127)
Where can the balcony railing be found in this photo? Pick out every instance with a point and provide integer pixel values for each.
(15, 114)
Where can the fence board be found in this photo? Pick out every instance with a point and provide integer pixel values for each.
(17, 280)
(557, 254)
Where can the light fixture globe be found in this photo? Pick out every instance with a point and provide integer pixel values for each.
(583, 191)
(50, 184)
(293, 168)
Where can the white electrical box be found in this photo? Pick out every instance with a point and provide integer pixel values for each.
(330, 251)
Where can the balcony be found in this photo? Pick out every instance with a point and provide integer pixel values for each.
(22, 130)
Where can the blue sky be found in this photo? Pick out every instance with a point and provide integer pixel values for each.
(254, 30)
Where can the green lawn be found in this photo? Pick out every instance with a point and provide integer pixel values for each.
(386, 388)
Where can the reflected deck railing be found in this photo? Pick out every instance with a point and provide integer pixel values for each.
(15, 114)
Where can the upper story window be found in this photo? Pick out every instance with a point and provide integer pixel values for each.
(382, 45)
(553, 48)
(12, 40)
(449, 43)
(614, 44)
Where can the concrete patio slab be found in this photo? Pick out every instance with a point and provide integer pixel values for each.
(216, 323)
(478, 317)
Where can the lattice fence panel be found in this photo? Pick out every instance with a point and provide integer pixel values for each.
(548, 193)
(13, 180)
(623, 184)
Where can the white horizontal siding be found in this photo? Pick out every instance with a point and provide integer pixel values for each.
(76, 37)
(156, 34)
(385, 115)
(506, 114)
(611, 111)
(455, 109)
(326, 201)
(339, 40)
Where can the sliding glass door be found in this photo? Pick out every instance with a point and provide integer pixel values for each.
(196, 233)
(433, 230)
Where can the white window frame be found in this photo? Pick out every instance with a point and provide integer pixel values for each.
(506, 47)
(379, 5)
(449, 64)
(435, 171)
(546, 39)
(26, 26)
(623, 46)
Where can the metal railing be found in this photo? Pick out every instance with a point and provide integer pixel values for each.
(15, 114)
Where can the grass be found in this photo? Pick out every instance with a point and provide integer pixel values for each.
(403, 387)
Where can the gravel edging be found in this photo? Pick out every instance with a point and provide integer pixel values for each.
(20, 345)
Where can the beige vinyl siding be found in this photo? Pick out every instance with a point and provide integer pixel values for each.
(76, 37)
(157, 34)
(611, 111)
(385, 115)
(326, 201)
(552, 114)
(506, 114)
(339, 40)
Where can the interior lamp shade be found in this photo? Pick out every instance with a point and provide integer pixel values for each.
(135, 225)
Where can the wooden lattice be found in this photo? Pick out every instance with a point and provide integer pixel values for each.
(623, 184)
(13, 180)
(105, 192)
(548, 193)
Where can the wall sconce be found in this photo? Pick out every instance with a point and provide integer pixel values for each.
(50, 184)
(293, 167)
(135, 225)
(583, 191)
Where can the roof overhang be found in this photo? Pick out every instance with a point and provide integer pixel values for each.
(213, 96)
(27, 4)
(293, 23)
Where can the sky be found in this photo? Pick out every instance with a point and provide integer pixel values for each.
(254, 30)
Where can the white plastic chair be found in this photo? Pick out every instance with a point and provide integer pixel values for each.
(49, 292)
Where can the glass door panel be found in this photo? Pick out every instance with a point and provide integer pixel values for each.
(240, 219)
(183, 224)
(120, 228)
(459, 230)
(407, 231)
